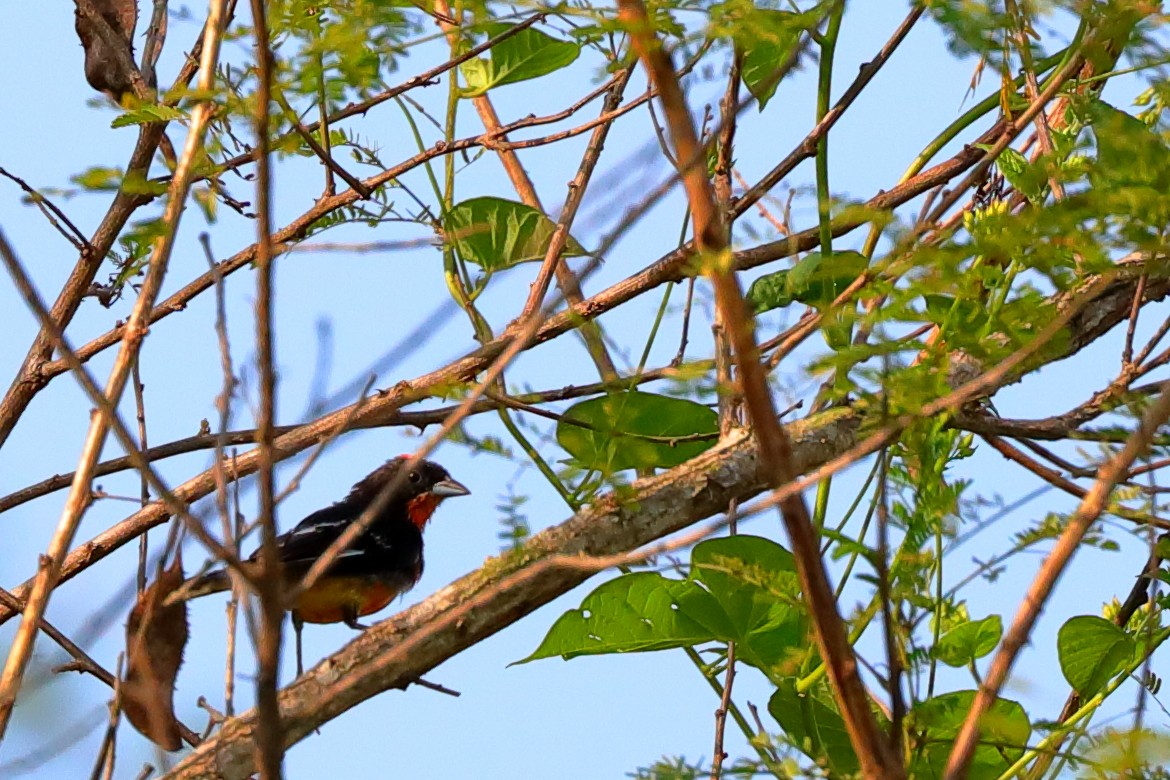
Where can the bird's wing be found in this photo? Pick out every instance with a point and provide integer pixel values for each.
(394, 553)
(312, 536)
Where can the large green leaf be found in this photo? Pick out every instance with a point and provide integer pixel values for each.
(741, 588)
(496, 234)
(770, 292)
(814, 281)
(526, 55)
(1092, 650)
(613, 431)
(969, 641)
(814, 724)
(934, 724)
(632, 613)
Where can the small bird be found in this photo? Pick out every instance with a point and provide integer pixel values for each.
(384, 562)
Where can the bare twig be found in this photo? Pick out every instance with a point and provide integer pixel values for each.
(269, 748)
(777, 463)
(135, 330)
(53, 214)
(721, 714)
(1086, 514)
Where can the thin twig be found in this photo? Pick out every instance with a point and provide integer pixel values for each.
(53, 214)
(135, 331)
(420, 420)
(1038, 592)
(106, 752)
(721, 715)
(269, 733)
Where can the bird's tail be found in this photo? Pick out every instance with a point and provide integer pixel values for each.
(216, 581)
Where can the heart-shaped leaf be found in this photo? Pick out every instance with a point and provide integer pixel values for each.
(495, 234)
(633, 430)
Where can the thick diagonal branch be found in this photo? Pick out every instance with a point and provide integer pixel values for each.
(777, 458)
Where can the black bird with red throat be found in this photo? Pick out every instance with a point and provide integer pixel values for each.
(385, 561)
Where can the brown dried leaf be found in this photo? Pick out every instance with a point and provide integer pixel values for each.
(156, 634)
(106, 55)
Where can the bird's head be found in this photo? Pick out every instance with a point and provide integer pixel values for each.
(419, 489)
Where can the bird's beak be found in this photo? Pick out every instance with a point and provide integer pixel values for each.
(449, 488)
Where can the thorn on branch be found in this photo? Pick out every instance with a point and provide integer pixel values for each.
(433, 686)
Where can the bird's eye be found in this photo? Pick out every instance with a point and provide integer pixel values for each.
(415, 477)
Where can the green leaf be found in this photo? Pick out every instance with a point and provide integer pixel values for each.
(767, 39)
(98, 178)
(1029, 179)
(496, 234)
(632, 613)
(1004, 733)
(814, 724)
(837, 327)
(814, 281)
(817, 281)
(145, 114)
(1128, 152)
(741, 588)
(1092, 650)
(754, 582)
(961, 314)
(617, 425)
(136, 183)
(969, 641)
(770, 292)
(526, 55)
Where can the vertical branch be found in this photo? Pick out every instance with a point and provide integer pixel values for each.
(144, 497)
(229, 519)
(233, 607)
(776, 458)
(729, 677)
(269, 734)
(828, 43)
(730, 400)
(893, 650)
(721, 714)
(79, 493)
(323, 105)
(104, 765)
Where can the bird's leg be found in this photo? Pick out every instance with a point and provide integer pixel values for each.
(350, 618)
(298, 624)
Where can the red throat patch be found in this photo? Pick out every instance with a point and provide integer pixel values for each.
(420, 508)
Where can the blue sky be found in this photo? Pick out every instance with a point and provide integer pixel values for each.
(589, 718)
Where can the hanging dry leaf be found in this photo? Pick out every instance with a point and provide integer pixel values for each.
(106, 56)
(156, 634)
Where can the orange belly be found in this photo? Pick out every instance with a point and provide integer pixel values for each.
(331, 599)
